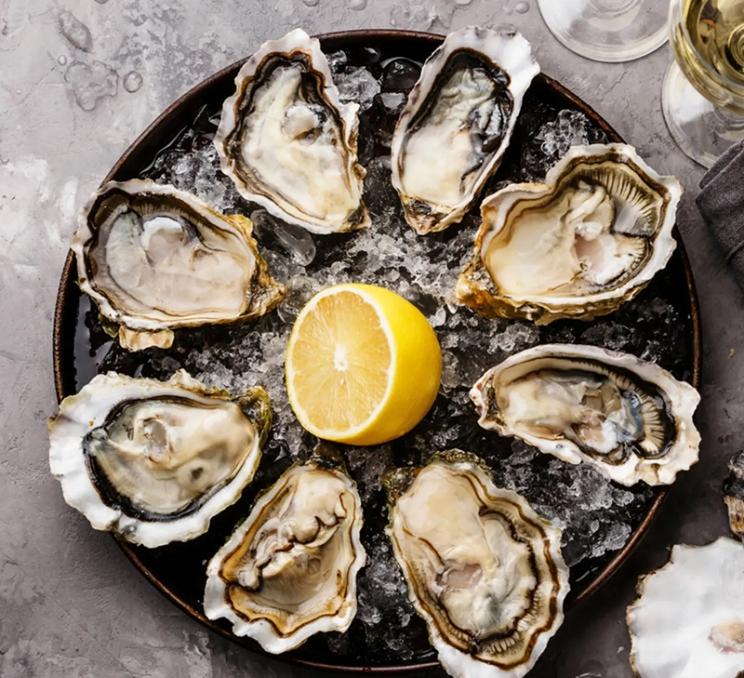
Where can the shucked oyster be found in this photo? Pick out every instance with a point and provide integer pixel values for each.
(688, 621)
(733, 495)
(457, 123)
(483, 569)
(289, 570)
(154, 258)
(630, 419)
(577, 246)
(155, 461)
(288, 143)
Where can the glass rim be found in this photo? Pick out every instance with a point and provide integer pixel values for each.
(678, 6)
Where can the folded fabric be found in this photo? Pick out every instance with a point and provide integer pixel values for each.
(721, 202)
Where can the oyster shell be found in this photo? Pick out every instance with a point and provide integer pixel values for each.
(629, 418)
(154, 259)
(289, 570)
(155, 461)
(483, 569)
(733, 494)
(288, 143)
(688, 621)
(458, 121)
(577, 246)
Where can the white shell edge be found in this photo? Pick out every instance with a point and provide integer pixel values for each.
(215, 603)
(296, 39)
(80, 413)
(512, 53)
(683, 398)
(664, 242)
(460, 664)
(83, 236)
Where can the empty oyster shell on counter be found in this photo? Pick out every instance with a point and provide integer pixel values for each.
(483, 569)
(579, 245)
(155, 461)
(457, 123)
(289, 570)
(688, 621)
(154, 258)
(733, 494)
(288, 142)
(630, 419)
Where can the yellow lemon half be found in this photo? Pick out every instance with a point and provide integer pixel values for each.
(363, 365)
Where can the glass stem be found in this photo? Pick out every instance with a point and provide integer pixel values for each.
(728, 120)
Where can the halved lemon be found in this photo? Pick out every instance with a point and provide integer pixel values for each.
(363, 365)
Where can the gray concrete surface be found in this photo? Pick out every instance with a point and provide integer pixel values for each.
(78, 80)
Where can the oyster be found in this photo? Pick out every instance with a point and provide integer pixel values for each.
(629, 418)
(453, 131)
(577, 246)
(733, 494)
(156, 461)
(289, 570)
(688, 621)
(288, 143)
(483, 569)
(154, 258)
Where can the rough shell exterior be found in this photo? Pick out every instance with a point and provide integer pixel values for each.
(733, 494)
(688, 620)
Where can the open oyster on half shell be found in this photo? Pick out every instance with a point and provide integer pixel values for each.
(688, 621)
(155, 461)
(289, 570)
(288, 142)
(457, 123)
(484, 570)
(630, 419)
(154, 258)
(733, 494)
(579, 245)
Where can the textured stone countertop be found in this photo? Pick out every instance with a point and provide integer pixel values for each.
(79, 79)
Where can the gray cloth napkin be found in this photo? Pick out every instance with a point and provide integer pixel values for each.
(721, 202)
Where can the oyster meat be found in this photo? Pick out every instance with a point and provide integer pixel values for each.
(629, 418)
(288, 143)
(154, 258)
(733, 494)
(577, 246)
(156, 461)
(457, 123)
(289, 570)
(484, 571)
(688, 621)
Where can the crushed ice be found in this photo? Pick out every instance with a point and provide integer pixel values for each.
(596, 515)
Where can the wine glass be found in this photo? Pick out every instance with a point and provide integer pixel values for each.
(703, 94)
(608, 30)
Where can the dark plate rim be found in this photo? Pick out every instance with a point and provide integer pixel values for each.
(67, 281)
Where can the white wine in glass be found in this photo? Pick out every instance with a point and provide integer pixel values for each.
(703, 96)
(608, 30)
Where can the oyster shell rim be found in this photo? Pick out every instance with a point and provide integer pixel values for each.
(643, 580)
(460, 40)
(476, 289)
(296, 40)
(261, 630)
(133, 325)
(68, 464)
(471, 667)
(682, 395)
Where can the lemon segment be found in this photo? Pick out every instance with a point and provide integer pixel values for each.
(363, 365)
